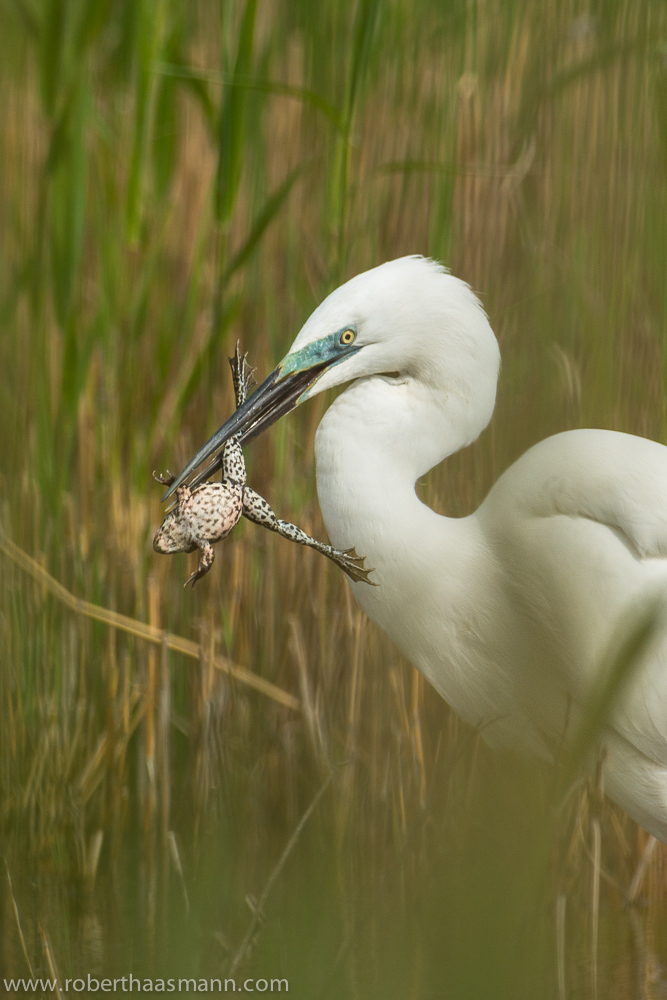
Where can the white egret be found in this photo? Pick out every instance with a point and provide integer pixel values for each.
(508, 611)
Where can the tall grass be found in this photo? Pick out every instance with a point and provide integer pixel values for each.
(177, 176)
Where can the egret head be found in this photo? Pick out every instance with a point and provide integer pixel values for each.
(407, 319)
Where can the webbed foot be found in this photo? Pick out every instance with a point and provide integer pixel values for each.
(353, 565)
(242, 375)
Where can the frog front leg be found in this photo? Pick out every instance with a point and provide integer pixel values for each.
(256, 509)
(166, 479)
(175, 533)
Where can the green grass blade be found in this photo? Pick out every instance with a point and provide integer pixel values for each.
(364, 30)
(68, 203)
(198, 81)
(165, 141)
(147, 42)
(189, 376)
(232, 122)
(262, 222)
(94, 16)
(51, 41)
(194, 359)
(303, 94)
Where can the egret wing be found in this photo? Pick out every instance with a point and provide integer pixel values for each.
(579, 524)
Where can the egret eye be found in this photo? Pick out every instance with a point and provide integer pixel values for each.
(347, 336)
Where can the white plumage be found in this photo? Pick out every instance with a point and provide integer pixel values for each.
(507, 612)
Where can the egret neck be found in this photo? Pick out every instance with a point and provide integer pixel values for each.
(371, 447)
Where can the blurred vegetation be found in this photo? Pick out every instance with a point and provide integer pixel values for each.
(177, 175)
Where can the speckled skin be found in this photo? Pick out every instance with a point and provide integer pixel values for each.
(211, 511)
(201, 516)
(256, 509)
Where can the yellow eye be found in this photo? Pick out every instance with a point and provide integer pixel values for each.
(347, 336)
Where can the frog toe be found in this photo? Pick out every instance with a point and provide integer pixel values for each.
(165, 480)
(353, 565)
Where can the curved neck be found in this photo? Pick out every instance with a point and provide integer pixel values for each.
(372, 445)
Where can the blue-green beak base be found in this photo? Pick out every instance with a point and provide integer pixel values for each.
(278, 394)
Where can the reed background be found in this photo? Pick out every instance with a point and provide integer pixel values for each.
(179, 175)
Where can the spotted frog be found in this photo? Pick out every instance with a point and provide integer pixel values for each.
(209, 512)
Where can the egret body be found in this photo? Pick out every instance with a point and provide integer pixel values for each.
(508, 612)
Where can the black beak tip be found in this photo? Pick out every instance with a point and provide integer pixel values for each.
(275, 397)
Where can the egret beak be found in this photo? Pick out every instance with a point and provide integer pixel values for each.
(279, 393)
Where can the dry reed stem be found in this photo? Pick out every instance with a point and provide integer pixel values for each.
(595, 904)
(48, 953)
(561, 907)
(149, 715)
(92, 773)
(417, 685)
(258, 909)
(18, 922)
(92, 858)
(316, 735)
(163, 718)
(640, 872)
(150, 633)
(355, 685)
(172, 845)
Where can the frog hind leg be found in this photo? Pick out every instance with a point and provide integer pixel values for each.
(256, 509)
(242, 375)
(205, 562)
(233, 463)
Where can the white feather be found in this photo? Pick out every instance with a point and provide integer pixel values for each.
(507, 612)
